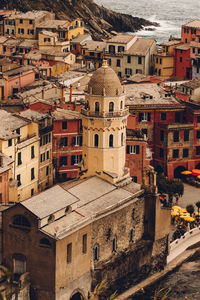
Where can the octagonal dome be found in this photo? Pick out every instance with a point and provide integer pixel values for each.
(105, 82)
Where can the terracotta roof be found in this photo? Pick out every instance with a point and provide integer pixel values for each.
(54, 24)
(140, 47)
(121, 38)
(64, 114)
(94, 45)
(194, 23)
(183, 47)
(193, 84)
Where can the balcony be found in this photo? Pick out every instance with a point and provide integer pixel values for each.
(46, 129)
(104, 114)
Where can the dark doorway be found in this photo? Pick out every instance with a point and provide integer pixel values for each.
(77, 296)
(177, 172)
(197, 166)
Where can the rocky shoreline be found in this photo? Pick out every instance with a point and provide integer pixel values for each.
(99, 21)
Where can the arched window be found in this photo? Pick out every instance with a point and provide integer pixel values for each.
(131, 235)
(96, 252)
(51, 218)
(96, 140)
(114, 244)
(122, 139)
(111, 140)
(21, 221)
(45, 243)
(111, 106)
(97, 107)
(68, 209)
(121, 105)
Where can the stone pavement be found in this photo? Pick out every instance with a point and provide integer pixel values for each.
(191, 195)
(157, 276)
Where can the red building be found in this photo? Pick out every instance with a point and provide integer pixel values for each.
(172, 128)
(138, 154)
(182, 62)
(67, 142)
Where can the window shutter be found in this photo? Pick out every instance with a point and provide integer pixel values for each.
(137, 149)
(149, 116)
(128, 149)
(81, 141)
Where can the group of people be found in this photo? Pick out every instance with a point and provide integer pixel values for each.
(182, 227)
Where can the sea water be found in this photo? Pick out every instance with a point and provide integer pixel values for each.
(170, 14)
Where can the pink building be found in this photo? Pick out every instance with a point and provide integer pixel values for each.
(14, 80)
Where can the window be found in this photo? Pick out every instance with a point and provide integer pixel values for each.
(47, 40)
(185, 152)
(32, 174)
(63, 161)
(96, 252)
(30, 21)
(122, 139)
(198, 134)
(198, 150)
(175, 153)
(163, 116)
(96, 107)
(84, 244)
(19, 265)
(161, 153)
(64, 142)
(42, 157)
(181, 59)
(96, 140)
(32, 152)
(64, 125)
(162, 135)
(176, 136)
(121, 105)
(139, 60)
(47, 154)
(21, 21)
(47, 170)
(21, 30)
(18, 132)
(19, 158)
(118, 63)
(18, 180)
(109, 61)
(111, 140)
(9, 142)
(69, 253)
(186, 135)
(131, 235)
(128, 59)
(161, 61)
(32, 192)
(128, 71)
(51, 218)
(45, 243)
(114, 244)
(132, 149)
(134, 179)
(77, 140)
(111, 106)
(198, 119)
(21, 221)
(144, 116)
(177, 117)
(193, 50)
(76, 159)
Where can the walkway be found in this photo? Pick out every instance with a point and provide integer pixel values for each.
(157, 276)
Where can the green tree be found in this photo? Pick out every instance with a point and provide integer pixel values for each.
(169, 187)
(198, 206)
(190, 209)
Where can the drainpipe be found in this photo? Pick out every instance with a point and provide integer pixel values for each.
(70, 97)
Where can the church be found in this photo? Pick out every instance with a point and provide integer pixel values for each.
(102, 226)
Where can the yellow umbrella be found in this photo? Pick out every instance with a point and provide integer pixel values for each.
(198, 176)
(174, 213)
(176, 207)
(189, 219)
(186, 172)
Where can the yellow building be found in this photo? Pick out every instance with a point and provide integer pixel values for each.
(19, 140)
(104, 127)
(164, 59)
(50, 40)
(44, 121)
(26, 23)
(73, 29)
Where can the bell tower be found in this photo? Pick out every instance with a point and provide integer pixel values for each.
(104, 120)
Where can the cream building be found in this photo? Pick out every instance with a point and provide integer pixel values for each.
(19, 140)
(104, 122)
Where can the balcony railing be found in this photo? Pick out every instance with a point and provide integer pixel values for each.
(104, 114)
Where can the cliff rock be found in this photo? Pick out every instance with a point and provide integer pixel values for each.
(99, 20)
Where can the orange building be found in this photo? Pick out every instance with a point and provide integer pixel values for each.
(189, 31)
